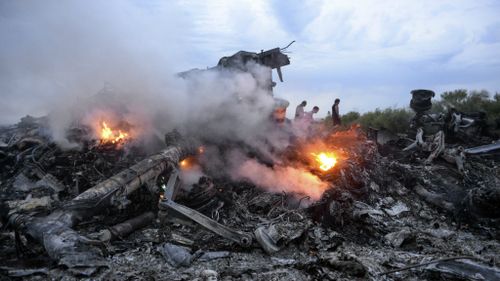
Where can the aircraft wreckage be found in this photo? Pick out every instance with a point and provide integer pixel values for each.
(421, 206)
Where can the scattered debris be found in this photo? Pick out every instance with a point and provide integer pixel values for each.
(111, 211)
(396, 239)
(176, 255)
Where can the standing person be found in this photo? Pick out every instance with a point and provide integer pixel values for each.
(308, 121)
(335, 113)
(299, 111)
(301, 125)
(308, 116)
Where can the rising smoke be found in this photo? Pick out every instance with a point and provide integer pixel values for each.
(298, 181)
(56, 55)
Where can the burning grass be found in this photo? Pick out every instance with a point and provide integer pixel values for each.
(328, 151)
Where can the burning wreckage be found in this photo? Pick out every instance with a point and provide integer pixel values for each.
(339, 205)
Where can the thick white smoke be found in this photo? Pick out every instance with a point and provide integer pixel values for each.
(281, 178)
(56, 55)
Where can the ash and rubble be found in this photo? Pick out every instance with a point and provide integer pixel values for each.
(385, 209)
(423, 207)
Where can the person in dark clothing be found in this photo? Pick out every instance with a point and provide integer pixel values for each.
(335, 113)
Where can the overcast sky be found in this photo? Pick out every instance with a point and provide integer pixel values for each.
(367, 53)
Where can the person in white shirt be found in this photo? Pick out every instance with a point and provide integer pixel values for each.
(299, 111)
(308, 116)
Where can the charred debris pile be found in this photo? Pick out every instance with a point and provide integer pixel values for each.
(386, 207)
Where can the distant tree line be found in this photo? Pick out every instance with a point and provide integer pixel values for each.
(397, 120)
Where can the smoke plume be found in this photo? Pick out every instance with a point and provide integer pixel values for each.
(81, 62)
(277, 179)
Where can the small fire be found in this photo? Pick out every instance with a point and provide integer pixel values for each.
(326, 160)
(110, 135)
(188, 163)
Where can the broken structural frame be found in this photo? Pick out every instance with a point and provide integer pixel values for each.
(55, 232)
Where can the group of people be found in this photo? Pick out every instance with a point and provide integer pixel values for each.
(301, 115)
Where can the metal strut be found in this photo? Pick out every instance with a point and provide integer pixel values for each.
(242, 238)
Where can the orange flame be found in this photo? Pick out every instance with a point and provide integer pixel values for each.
(109, 135)
(326, 160)
(188, 163)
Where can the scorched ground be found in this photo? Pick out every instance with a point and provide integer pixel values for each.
(381, 210)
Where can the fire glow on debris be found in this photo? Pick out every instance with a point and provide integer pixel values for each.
(110, 135)
(326, 160)
(191, 161)
(187, 163)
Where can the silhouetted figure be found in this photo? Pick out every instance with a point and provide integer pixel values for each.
(299, 111)
(335, 113)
